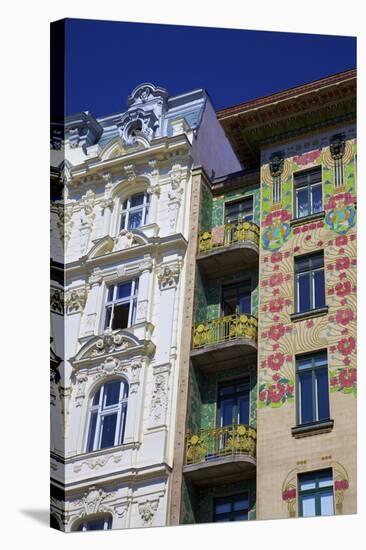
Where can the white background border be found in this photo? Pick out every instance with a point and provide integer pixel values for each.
(24, 230)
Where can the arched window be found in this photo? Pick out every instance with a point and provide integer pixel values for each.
(95, 524)
(135, 210)
(108, 415)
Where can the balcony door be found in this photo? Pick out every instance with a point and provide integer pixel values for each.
(233, 403)
(237, 298)
(239, 211)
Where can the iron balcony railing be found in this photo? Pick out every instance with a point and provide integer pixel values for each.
(226, 235)
(224, 329)
(211, 444)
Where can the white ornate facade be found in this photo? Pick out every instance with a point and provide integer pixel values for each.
(119, 223)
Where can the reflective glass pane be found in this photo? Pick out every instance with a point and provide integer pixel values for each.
(326, 480)
(303, 289)
(222, 507)
(302, 264)
(316, 260)
(322, 394)
(124, 290)
(123, 221)
(243, 410)
(93, 422)
(304, 363)
(245, 304)
(241, 504)
(111, 393)
(307, 484)
(308, 505)
(326, 503)
(226, 390)
(136, 200)
(306, 397)
(319, 288)
(110, 293)
(227, 412)
(108, 316)
(96, 398)
(135, 220)
(94, 525)
(302, 202)
(108, 430)
(316, 194)
(320, 359)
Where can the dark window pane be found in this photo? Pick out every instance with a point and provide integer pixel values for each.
(245, 304)
(317, 200)
(303, 290)
(108, 430)
(135, 220)
(241, 504)
(96, 398)
(304, 363)
(317, 260)
(123, 290)
(320, 359)
(120, 316)
(244, 410)
(108, 316)
(302, 202)
(93, 422)
(240, 516)
(319, 288)
(110, 293)
(123, 221)
(222, 507)
(302, 264)
(323, 394)
(136, 200)
(111, 393)
(227, 412)
(306, 397)
(226, 390)
(94, 525)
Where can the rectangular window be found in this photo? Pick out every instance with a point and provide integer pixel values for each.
(233, 402)
(308, 192)
(233, 508)
(121, 305)
(236, 298)
(316, 493)
(309, 282)
(238, 211)
(312, 388)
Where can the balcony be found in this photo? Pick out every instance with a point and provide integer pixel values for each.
(228, 248)
(220, 455)
(225, 342)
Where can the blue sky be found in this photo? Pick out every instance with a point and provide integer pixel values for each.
(105, 60)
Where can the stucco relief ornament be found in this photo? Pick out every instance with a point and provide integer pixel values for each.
(159, 400)
(130, 172)
(93, 499)
(147, 511)
(154, 187)
(124, 240)
(57, 301)
(109, 343)
(175, 195)
(75, 300)
(107, 201)
(135, 376)
(168, 275)
(80, 391)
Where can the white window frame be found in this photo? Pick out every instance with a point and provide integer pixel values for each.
(107, 523)
(102, 411)
(127, 210)
(131, 300)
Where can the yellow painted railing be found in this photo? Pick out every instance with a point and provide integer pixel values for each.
(227, 235)
(220, 442)
(223, 329)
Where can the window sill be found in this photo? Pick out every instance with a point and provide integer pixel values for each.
(307, 219)
(315, 428)
(302, 315)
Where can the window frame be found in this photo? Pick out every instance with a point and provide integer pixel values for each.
(308, 185)
(238, 200)
(120, 408)
(236, 394)
(108, 521)
(315, 401)
(128, 210)
(310, 270)
(231, 499)
(236, 285)
(131, 300)
(317, 475)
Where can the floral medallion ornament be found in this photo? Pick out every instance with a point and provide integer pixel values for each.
(277, 230)
(277, 392)
(343, 380)
(341, 213)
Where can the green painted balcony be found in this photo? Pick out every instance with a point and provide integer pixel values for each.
(227, 248)
(225, 342)
(220, 455)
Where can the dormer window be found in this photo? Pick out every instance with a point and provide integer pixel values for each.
(135, 211)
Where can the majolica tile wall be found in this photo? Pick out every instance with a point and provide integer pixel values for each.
(280, 338)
